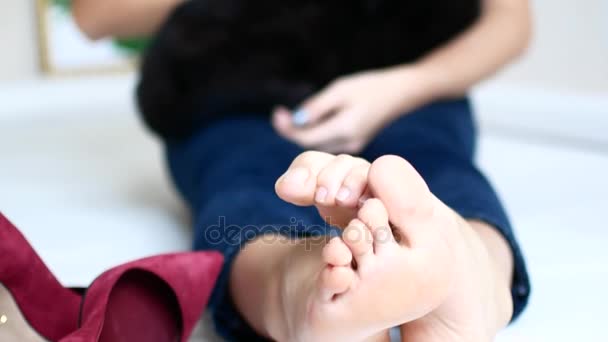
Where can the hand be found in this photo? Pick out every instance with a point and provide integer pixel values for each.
(346, 115)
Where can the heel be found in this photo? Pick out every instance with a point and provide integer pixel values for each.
(37, 304)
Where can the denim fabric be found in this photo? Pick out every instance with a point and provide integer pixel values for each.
(226, 173)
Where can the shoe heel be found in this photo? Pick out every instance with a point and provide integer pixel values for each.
(30, 292)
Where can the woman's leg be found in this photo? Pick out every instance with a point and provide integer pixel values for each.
(314, 267)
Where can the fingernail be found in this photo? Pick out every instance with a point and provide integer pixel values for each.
(297, 175)
(343, 194)
(300, 117)
(321, 195)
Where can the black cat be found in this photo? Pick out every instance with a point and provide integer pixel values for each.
(219, 57)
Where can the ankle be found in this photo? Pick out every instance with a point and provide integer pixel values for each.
(502, 259)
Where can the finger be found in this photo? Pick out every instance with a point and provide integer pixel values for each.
(282, 121)
(334, 129)
(315, 109)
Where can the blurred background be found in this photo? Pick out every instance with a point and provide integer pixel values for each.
(87, 185)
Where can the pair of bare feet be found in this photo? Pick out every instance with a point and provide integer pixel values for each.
(404, 259)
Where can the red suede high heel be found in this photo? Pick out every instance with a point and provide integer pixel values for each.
(157, 299)
(34, 306)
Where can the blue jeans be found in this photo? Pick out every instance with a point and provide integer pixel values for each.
(226, 173)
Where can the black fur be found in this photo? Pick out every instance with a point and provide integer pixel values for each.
(216, 57)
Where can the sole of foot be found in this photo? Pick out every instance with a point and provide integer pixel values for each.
(404, 257)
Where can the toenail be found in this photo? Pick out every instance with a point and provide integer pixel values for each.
(297, 175)
(321, 195)
(343, 194)
(362, 200)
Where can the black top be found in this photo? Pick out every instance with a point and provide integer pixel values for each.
(214, 58)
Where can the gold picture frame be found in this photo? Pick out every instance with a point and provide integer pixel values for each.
(61, 63)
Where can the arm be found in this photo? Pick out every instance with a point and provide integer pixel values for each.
(121, 18)
(500, 35)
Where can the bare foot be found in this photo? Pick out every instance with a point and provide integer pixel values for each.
(431, 269)
(372, 280)
(336, 186)
(446, 284)
(300, 282)
(310, 280)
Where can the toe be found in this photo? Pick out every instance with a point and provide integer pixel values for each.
(374, 215)
(331, 178)
(335, 281)
(299, 183)
(353, 186)
(336, 253)
(404, 193)
(358, 238)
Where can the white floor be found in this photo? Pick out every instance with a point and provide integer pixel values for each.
(88, 188)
